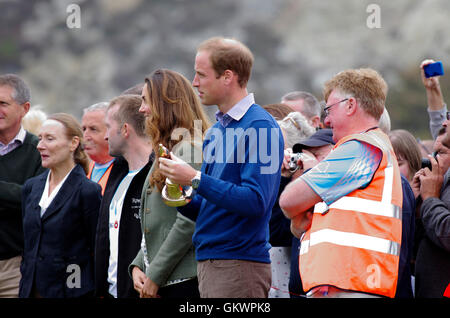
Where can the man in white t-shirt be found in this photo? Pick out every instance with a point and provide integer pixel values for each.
(119, 212)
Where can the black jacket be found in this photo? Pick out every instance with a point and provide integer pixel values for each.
(58, 251)
(130, 234)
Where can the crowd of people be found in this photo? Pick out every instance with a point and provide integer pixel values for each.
(298, 199)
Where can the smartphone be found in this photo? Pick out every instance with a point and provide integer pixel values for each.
(433, 69)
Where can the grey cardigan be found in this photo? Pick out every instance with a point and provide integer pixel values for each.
(167, 233)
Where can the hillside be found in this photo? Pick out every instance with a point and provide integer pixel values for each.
(298, 44)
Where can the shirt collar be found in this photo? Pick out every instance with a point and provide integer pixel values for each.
(237, 111)
(19, 138)
(21, 135)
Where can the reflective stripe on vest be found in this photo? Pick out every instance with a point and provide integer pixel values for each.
(354, 243)
(361, 205)
(350, 239)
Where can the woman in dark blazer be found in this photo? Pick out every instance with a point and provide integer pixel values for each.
(60, 211)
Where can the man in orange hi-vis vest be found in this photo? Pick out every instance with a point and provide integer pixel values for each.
(348, 215)
(95, 145)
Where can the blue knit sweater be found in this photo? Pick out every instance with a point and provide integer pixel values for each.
(238, 188)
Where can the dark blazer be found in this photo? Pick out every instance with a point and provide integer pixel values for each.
(58, 251)
(130, 234)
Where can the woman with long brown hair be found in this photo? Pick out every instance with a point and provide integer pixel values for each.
(166, 266)
(60, 211)
(407, 150)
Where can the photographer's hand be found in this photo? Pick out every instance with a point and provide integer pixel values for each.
(431, 181)
(415, 184)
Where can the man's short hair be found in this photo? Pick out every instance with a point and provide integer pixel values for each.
(97, 106)
(311, 108)
(128, 112)
(134, 90)
(229, 54)
(365, 84)
(21, 93)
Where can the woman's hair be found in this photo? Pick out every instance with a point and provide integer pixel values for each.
(174, 108)
(73, 129)
(278, 111)
(34, 119)
(295, 128)
(385, 122)
(406, 147)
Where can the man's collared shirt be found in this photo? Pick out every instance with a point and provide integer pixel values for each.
(236, 112)
(14, 143)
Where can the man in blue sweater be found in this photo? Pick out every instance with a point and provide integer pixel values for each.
(239, 180)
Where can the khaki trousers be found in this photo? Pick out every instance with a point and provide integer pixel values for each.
(10, 277)
(233, 279)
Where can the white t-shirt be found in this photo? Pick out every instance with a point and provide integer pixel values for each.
(115, 212)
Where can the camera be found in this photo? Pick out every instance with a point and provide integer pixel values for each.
(294, 158)
(426, 163)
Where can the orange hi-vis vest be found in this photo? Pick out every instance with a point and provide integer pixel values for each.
(104, 179)
(354, 243)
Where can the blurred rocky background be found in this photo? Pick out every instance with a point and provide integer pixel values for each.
(298, 44)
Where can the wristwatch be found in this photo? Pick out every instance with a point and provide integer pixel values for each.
(195, 181)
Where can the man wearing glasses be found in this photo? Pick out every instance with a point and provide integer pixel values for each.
(349, 214)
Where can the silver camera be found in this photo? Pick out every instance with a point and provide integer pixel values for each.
(295, 157)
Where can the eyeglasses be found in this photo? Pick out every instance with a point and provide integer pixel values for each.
(326, 108)
(292, 122)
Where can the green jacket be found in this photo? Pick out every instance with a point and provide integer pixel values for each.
(167, 233)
